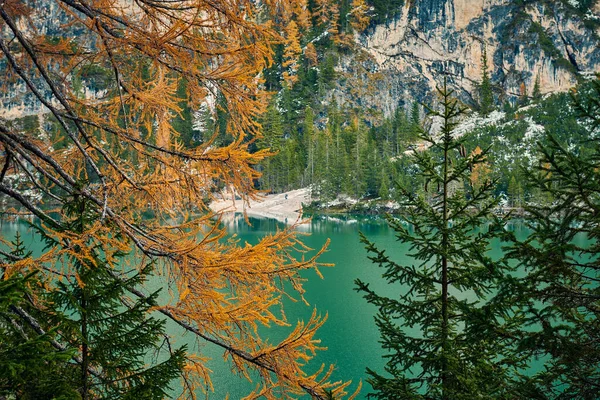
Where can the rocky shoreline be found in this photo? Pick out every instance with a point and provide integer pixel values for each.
(291, 207)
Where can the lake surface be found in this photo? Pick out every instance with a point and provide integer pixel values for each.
(349, 333)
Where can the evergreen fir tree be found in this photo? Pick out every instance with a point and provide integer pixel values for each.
(294, 162)
(486, 96)
(310, 144)
(515, 191)
(338, 172)
(222, 118)
(327, 75)
(415, 115)
(438, 329)
(537, 92)
(320, 163)
(406, 130)
(112, 330)
(182, 122)
(272, 138)
(508, 109)
(372, 167)
(31, 367)
(358, 158)
(561, 291)
(384, 187)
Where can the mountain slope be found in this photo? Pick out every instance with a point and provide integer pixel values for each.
(555, 42)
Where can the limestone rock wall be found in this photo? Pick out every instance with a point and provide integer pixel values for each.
(557, 42)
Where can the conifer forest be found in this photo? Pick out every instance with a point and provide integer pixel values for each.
(299, 199)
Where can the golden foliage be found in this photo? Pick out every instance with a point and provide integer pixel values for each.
(118, 148)
(481, 171)
(302, 14)
(326, 13)
(291, 53)
(310, 53)
(360, 17)
(334, 17)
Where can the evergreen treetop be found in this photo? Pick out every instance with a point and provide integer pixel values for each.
(486, 95)
(111, 328)
(560, 294)
(32, 363)
(437, 329)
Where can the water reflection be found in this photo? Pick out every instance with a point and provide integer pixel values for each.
(349, 334)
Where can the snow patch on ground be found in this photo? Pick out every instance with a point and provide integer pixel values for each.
(475, 120)
(534, 130)
(468, 124)
(201, 117)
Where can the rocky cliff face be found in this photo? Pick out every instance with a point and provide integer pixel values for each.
(16, 100)
(556, 42)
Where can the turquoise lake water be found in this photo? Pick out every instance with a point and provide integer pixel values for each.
(349, 333)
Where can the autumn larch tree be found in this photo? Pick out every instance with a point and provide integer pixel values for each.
(291, 55)
(441, 329)
(360, 13)
(106, 76)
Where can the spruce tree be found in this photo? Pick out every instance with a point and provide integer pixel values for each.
(438, 328)
(310, 144)
(338, 171)
(111, 327)
(537, 91)
(486, 96)
(561, 258)
(400, 128)
(182, 122)
(31, 367)
(515, 191)
(273, 140)
(384, 187)
(415, 116)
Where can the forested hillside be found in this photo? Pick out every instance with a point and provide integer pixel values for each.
(346, 104)
(340, 128)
